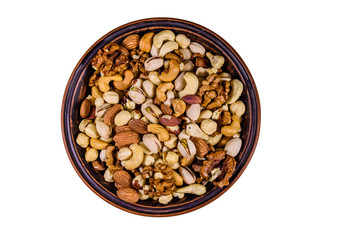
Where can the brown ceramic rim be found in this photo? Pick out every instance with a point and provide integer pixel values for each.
(146, 25)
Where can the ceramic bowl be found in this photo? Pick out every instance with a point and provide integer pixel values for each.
(77, 89)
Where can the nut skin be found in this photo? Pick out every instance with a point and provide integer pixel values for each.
(191, 99)
(169, 120)
(131, 41)
(85, 108)
(126, 138)
(166, 109)
(201, 145)
(111, 113)
(138, 126)
(128, 195)
(123, 178)
(98, 165)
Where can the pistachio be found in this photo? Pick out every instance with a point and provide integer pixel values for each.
(103, 129)
(111, 97)
(153, 63)
(152, 142)
(187, 148)
(233, 146)
(137, 95)
(187, 175)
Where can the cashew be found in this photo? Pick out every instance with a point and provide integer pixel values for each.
(169, 98)
(162, 133)
(236, 90)
(124, 154)
(146, 42)
(122, 118)
(126, 83)
(98, 144)
(154, 51)
(233, 146)
(161, 89)
(154, 78)
(197, 48)
(136, 158)
(233, 128)
(177, 178)
(95, 92)
(180, 82)
(237, 108)
(163, 36)
(192, 129)
(172, 142)
(179, 107)
(165, 199)
(197, 189)
(83, 140)
(187, 54)
(192, 84)
(91, 155)
(167, 47)
(201, 72)
(179, 195)
(104, 82)
(208, 126)
(188, 66)
(182, 40)
(171, 72)
(216, 61)
(149, 88)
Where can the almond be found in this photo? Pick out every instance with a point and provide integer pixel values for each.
(202, 147)
(85, 108)
(131, 41)
(138, 126)
(126, 138)
(166, 109)
(191, 99)
(111, 113)
(128, 195)
(123, 178)
(118, 129)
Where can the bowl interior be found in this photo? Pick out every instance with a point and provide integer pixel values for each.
(78, 89)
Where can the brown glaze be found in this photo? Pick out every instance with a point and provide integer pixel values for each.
(77, 89)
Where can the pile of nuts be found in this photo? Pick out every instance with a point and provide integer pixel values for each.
(163, 119)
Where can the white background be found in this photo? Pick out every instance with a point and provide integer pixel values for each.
(303, 180)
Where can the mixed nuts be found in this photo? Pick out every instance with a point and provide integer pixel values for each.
(163, 119)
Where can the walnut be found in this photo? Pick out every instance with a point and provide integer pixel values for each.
(225, 119)
(161, 181)
(213, 159)
(227, 170)
(137, 63)
(110, 60)
(214, 91)
(201, 61)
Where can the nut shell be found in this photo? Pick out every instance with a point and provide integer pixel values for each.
(128, 195)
